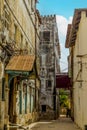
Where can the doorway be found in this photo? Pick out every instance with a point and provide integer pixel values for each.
(43, 108)
(10, 105)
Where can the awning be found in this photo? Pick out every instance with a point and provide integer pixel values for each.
(22, 63)
(63, 81)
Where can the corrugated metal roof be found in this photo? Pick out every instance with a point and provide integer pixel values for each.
(21, 63)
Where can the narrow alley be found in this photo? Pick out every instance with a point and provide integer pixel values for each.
(62, 123)
(43, 65)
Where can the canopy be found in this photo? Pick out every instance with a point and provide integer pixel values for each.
(21, 63)
(63, 81)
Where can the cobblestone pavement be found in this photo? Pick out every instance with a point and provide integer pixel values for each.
(60, 124)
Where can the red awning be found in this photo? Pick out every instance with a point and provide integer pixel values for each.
(63, 81)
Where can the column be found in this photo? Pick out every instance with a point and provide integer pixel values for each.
(16, 105)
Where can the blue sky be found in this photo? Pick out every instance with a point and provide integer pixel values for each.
(60, 7)
(64, 9)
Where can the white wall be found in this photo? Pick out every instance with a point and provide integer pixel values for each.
(80, 73)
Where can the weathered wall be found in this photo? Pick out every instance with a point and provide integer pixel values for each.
(20, 30)
(48, 65)
(80, 74)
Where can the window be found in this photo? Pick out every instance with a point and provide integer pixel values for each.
(30, 50)
(26, 48)
(20, 102)
(33, 5)
(26, 45)
(3, 89)
(21, 41)
(46, 36)
(41, 60)
(41, 34)
(15, 33)
(32, 99)
(48, 84)
(48, 60)
(25, 91)
(7, 17)
(43, 108)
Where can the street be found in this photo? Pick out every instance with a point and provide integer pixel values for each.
(61, 124)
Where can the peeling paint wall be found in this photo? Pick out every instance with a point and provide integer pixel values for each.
(20, 30)
(80, 73)
(48, 66)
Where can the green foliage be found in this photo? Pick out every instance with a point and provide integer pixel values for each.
(64, 98)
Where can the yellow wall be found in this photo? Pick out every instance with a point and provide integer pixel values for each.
(19, 17)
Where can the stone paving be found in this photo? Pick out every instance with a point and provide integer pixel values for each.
(61, 124)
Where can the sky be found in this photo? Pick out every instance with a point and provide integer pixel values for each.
(64, 10)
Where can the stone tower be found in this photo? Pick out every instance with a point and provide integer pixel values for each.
(48, 47)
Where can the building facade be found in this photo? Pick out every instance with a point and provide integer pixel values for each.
(19, 81)
(49, 66)
(77, 62)
(70, 68)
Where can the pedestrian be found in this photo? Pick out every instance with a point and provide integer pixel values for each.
(68, 112)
